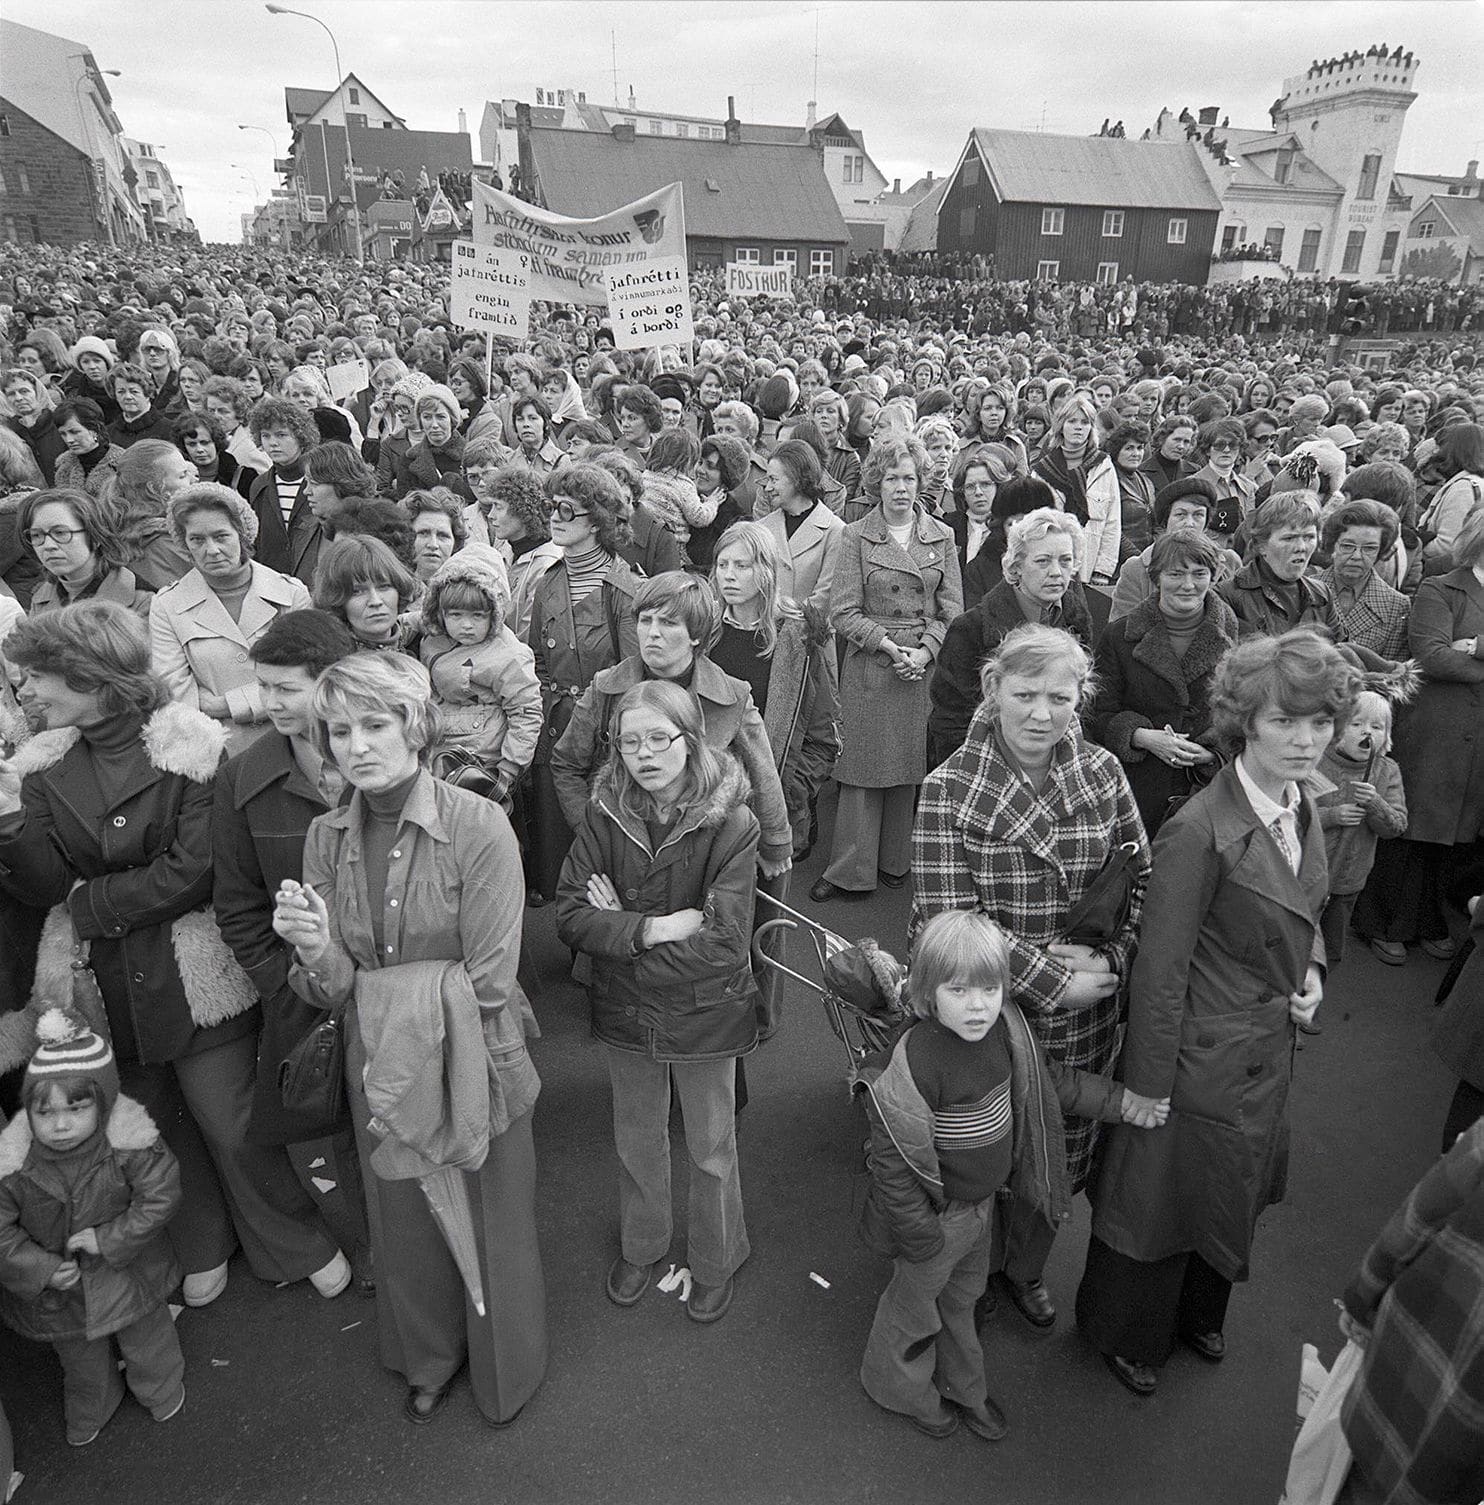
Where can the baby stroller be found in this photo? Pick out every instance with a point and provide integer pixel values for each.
(859, 984)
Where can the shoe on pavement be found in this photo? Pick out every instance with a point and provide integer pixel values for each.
(333, 1279)
(423, 1404)
(499, 1426)
(171, 1408)
(626, 1283)
(937, 1428)
(1308, 1027)
(202, 1288)
(363, 1271)
(891, 880)
(823, 891)
(986, 1421)
(1033, 1302)
(709, 1303)
(1393, 953)
(1210, 1346)
(1444, 950)
(1140, 1378)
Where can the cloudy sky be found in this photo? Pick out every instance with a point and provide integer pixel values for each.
(914, 77)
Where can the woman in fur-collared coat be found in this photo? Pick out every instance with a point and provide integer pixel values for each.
(107, 814)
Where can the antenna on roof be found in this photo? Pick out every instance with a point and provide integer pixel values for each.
(613, 41)
(816, 55)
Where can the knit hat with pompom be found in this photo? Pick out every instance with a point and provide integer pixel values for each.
(66, 1050)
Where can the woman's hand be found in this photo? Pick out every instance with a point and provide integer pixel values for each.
(1170, 747)
(1144, 1112)
(1353, 1331)
(1079, 958)
(65, 1276)
(601, 893)
(774, 869)
(1346, 815)
(1367, 796)
(1466, 645)
(1087, 988)
(301, 919)
(10, 788)
(84, 1241)
(679, 926)
(1302, 1006)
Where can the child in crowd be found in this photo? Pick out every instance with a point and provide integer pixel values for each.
(967, 1108)
(484, 677)
(1359, 792)
(86, 1189)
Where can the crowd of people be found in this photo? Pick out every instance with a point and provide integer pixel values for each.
(1148, 656)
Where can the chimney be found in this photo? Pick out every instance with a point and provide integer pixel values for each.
(896, 185)
(810, 118)
(623, 130)
(633, 103)
(930, 177)
(734, 126)
(463, 124)
(1473, 171)
(1210, 114)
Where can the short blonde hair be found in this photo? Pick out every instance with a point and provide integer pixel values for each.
(1030, 650)
(958, 945)
(363, 683)
(1031, 529)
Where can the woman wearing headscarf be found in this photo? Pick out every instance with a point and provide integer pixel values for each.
(31, 418)
(92, 458)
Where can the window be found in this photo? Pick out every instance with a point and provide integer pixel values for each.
(1370, 170)
(1426, 230)
(629, 120)
(359, 120)
(151, 177)
(1272, 238)
(4, 125)
(1175, 235)
(852, 168)
(860, 168)
(1388, 250)
(1053, 221)
(968, 222)
(821, 263)
(1309, 252)
(1354, 245)
(1112, 224)
(1048, 271)
(681, 128)
(970, 175)
(748, 256)
(1228, 237)
(785, 257)
(656, 127)
(355, 96)
(5, 188)
(1283, 167)
(1107, 271)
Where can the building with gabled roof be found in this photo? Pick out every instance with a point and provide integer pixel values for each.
(1080, 208)
(1446, 225)
(761, 202)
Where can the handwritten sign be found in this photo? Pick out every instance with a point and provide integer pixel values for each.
(346, 378)
(491, 289)
(751, 281)
(650, 304)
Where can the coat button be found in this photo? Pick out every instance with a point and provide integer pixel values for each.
(119, 821)
(392, 902)
(551, 642)
(1255, 1069)
(630, 1012)
(139, 977)
(631, 893)
(241, 658)
(396, 854)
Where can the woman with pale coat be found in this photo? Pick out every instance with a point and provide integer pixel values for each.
(1084, 478)
(202, 627)
(806, 532)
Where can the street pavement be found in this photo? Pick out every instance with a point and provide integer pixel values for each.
(287, 1401)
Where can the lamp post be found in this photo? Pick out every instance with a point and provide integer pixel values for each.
(100, 183)
(350, 161)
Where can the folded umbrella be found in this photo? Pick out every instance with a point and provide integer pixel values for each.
(449, 1199)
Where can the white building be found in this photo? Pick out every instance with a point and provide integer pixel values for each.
(159, 196)
(1318, 187)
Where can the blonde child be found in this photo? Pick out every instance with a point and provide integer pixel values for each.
(1359, 792)
(484, 677)
(87, 1187)
(967, 1108)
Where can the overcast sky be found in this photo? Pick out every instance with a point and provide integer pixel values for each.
(914, 77)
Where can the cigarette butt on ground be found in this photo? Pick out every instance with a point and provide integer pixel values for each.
(348, 1326)
(819, 1280)
(220, 1363)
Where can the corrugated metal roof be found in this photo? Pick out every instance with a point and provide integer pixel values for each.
(1108, 171)
(767, 192)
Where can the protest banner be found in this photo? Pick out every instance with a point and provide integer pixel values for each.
(753, 281)
(569, 256)
(491, 290)
(650, 304)
(346, 378)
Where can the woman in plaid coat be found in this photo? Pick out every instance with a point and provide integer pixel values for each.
(1017, 823)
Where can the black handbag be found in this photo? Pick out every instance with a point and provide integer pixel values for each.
(311, 1078)
(1102, 911)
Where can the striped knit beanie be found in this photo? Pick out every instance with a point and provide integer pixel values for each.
(68, 1049)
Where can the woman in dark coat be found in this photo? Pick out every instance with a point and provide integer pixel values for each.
(1043, 553)
(1273, 592)
(1437, 749)
(1458, 1040)
(1153, 671)
(1230, 961)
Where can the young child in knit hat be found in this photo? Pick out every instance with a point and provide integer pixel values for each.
(86, 1190)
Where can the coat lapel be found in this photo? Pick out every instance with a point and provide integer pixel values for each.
(1261, 868)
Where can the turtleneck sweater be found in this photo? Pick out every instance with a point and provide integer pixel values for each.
(378, 835)
(117, 752)
(585, 573)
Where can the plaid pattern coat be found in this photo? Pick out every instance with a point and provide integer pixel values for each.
(1378, 617)
(1415, 1416)
(985, 840)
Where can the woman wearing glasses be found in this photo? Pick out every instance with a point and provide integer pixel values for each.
(658, 891)
(582, 621)
(1223, 441)
(80, 554)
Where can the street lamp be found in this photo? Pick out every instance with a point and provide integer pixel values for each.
(103, 215)
(248, 172)
(350, 161)
(272, 139)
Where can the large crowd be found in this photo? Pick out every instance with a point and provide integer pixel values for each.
(1138, 632)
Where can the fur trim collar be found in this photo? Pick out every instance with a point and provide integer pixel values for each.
(732, 789)
(129, 1128)
(177, 739)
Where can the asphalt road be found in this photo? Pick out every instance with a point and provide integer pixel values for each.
(288, 1403)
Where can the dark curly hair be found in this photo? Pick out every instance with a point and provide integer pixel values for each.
(596, 493)
(280, 413)
(520, 489)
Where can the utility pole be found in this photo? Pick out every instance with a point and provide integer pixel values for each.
(613, 42)
(815, 95)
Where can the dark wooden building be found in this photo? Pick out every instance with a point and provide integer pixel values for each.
(1081, 208)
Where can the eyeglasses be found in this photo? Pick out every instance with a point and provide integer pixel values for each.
(655, 742)
(567, 512)
(59, 536)
(1221, 446)
(1264, 441)
(1364, 550)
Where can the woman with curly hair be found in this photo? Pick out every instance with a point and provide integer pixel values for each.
(150, 472)
(289, 533)
(520, 525)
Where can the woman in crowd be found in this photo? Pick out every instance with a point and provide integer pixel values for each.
(520, 526)
(91, 460)
(990, 488)
(785, 654)
(289, 533)
(308, 388)
(807, 535)
(651, 548)
(1460, 462)
(138, 418)
(72, 537)
(1019, 823)
(658, 890)
(1230, 961)
(336, 477)
(939, 440)
(228, 404)
(535, 445)
(991, 419)
(1435, 746)
(19, 477)
(480, 420)
(438, 531)
(1126, 446)
(150, 473)
(1222, 442)
(1083, 476)
(108, 813)
(640, 419)
(30, 417)
(92, 360)
(437, 457)
(397, 444)
(159, 358)
(1357, 536)
(442, 949)
(831, 414)
(201, 441)
(1042, 559)
(896, 589)
(379, 419)
(191, 378)
(202, 628)
(720, 473)
(363, 583)
(1274, 592)
(1153, 673)
(582, 621)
